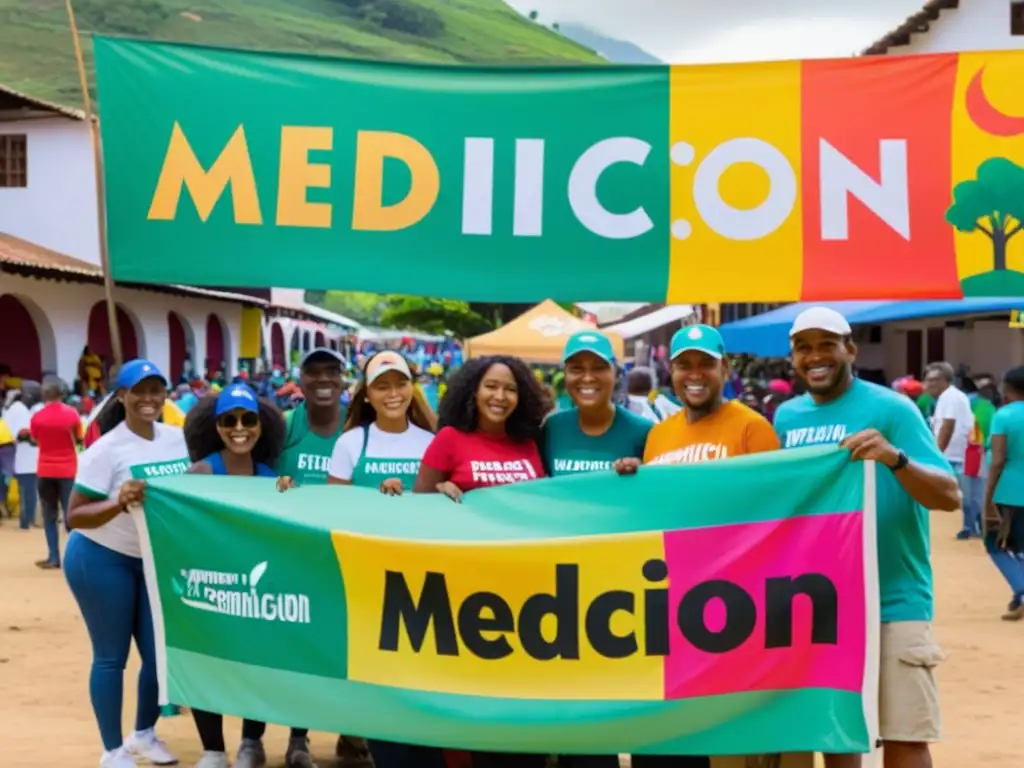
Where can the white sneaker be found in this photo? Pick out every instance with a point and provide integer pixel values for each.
(117, 758)
(145, 744)
(213, 760)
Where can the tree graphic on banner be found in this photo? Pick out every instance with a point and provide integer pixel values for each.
(992, 204)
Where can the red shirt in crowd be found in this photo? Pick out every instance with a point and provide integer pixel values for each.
(55, 428)
(474, 460)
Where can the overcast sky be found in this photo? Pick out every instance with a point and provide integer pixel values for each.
(688, 31)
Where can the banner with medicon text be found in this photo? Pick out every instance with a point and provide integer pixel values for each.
(868, 178)
(723, 608)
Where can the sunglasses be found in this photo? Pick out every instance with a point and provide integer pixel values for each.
(248, 420)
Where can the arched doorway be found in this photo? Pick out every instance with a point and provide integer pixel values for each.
(216, 346)
(99, 333)
(305, 341)
(321, 340)
(277, 351)
(19, 342)
(181, 343)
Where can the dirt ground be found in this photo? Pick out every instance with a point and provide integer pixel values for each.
(46, 720)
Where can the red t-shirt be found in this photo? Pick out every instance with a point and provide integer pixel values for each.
(55, 428)
(474, 460)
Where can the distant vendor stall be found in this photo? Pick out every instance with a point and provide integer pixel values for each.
(537, 335)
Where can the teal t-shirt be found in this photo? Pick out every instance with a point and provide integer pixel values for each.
(306, 456)
(904, 556)
(1009, 422)
(568, 451)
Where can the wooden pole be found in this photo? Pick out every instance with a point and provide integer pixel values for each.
(101, 200)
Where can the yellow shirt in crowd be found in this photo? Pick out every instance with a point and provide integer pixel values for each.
(732, 430)
(173, 415)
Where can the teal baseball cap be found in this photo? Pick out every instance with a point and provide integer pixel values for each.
(594, 342)
(703, 338)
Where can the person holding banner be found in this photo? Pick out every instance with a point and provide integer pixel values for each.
(387, 430)
(489, 425)
(596, 433)
(235, 433)
(103, 556)
(877, 424)
(709, 427)
(312, 430)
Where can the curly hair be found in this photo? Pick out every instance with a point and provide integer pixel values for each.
(203, 439)
(458, 406)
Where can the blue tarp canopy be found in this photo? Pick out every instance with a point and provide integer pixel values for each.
(767, 335)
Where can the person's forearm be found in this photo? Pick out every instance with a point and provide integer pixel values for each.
(94, 514)
(931, 488)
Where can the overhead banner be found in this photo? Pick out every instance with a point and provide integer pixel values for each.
(725, 608)
(869, 178)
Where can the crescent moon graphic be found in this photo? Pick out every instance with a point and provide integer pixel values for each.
(987, 117)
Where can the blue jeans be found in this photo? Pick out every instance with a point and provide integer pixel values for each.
(7, 451)
(54, 491)
(973, 490)
(1009, 563)
(27, 493)
(111, 593)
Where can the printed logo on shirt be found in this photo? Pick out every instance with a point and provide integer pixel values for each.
(502, 472)
(694, 454)
(391, 468)
(160, 469)
(824, 435)
(237, 594)
(565, 466)
(314, 462)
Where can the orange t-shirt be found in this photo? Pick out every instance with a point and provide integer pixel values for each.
(732, 430)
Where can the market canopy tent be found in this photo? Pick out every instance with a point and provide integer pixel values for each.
(538, 335)
(767, 335)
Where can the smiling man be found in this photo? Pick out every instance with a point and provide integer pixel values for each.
(708, 427)
(877, 424)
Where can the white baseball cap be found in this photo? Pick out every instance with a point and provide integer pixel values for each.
(820, 319)
(383, 362)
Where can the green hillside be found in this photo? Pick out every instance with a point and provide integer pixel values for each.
(36, 56)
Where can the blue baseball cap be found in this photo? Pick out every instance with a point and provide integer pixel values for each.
(134, 371)
(594, 342)
(703, 338)
(237, 396)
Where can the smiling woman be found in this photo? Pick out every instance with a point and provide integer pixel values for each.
(235, 433)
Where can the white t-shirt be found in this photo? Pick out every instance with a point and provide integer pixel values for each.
(641, 406)
(411, 444)
(954, 404)
(26, 455)
(122, 455)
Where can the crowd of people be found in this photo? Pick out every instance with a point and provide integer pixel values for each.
(499, 422)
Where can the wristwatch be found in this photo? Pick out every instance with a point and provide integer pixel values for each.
(901, 461)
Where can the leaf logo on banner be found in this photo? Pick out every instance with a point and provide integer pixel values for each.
(257, 573)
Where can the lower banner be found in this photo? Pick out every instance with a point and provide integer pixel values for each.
(722, 608)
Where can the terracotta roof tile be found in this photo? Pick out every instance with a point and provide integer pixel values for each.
(915, 23)
(20, 100)
(27, 259)
(21, 253)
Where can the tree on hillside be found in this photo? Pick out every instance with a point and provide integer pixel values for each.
(992, 203)
(533, 15)
(434, 316)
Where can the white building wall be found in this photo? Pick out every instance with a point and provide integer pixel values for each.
(57, 209)
(977, 25)
(61, 314)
